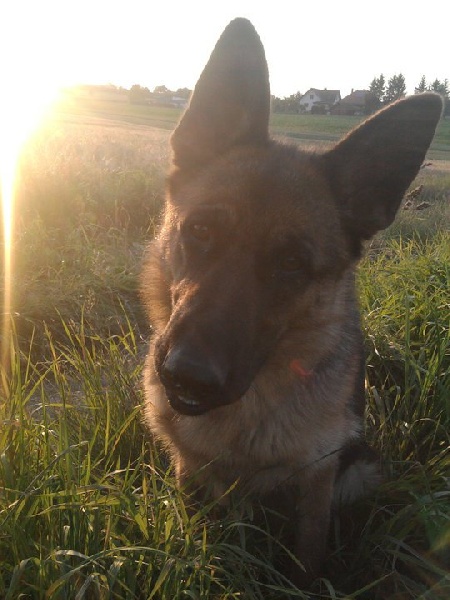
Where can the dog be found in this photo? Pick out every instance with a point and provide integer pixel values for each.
(255, 374)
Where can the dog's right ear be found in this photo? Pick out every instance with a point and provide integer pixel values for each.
(231, 101)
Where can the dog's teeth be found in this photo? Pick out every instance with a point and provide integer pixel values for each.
(190, 401)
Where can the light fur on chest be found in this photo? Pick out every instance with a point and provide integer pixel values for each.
(265, 439)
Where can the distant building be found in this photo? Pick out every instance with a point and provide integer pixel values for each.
(179, 102)
(98, 92)
(359, 102)
(319, 101)
(168, 100)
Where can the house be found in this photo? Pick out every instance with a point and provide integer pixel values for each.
(359, 102)
(319, 101)
(168, 99)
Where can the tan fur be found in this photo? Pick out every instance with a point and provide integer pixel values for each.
(254, 375)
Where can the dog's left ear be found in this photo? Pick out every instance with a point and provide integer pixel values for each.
(231, 101)
(371, 169)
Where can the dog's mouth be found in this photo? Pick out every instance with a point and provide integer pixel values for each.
(193, 384)
(195, 381)
(185, 404)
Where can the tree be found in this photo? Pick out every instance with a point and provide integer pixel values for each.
(396, 88)
(371, 104)
(183, 93)
(378, 87)
(139, 95)
(441, 87)
(287, 105)
(161, 89)
(422, 87)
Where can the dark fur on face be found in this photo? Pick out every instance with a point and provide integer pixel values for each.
(256, 367)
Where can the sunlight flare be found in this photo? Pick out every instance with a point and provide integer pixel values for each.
(21, 114)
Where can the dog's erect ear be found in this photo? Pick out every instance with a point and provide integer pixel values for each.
(371, 169)
(231, 100)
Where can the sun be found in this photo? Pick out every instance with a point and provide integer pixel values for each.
(22, 111)
(44, 56)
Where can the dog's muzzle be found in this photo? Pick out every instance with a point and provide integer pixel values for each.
(193, 385)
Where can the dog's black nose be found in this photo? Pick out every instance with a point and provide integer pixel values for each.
(194, 384)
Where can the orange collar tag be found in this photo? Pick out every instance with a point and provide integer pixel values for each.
(297, 368)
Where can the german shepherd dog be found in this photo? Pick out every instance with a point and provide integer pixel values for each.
(255, 373)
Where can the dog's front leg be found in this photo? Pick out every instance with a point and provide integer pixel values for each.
(313, 521)
(200, 484)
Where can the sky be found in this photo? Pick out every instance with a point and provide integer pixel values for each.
(323, 44)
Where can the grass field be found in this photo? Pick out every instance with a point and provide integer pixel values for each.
(88, 505)
(317, 130)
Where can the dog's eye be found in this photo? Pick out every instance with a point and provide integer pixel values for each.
(290, 264)
(200, 232)
(203, 231)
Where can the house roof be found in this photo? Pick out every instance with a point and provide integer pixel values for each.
(357, 97)
(327, 96)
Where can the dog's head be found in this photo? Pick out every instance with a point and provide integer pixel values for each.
(258, 235)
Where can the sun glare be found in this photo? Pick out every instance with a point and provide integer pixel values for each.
(21, 114)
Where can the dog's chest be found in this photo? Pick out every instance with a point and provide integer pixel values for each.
(295, 431)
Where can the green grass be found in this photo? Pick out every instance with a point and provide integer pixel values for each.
(88, 504)
(88, 200)
(76, 109)
(324, 130)
(308, 130)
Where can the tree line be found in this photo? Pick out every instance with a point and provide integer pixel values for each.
(384, 92)
(160, 94)
(395, 88)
